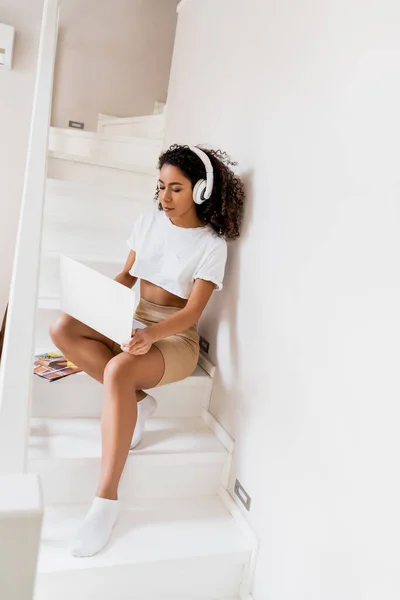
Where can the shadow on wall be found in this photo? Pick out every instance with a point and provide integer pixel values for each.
(221, 327)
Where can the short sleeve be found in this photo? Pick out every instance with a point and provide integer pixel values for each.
(213, 267)
(132, 241)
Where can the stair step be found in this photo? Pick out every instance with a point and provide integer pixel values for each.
(81, 396)
(104, 161)
(110, 176)
(166, 548)
(102, 243)
(73, 202)
(148, 126)
(140, 151)
(156, 597)
(178, 457)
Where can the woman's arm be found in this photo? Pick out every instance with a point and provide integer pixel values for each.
(124, 277)
(142, 339)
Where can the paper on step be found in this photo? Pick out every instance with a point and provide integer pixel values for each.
(99, 302)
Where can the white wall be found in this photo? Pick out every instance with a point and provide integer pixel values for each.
(16, 96)
(114, 57)
(306, 334)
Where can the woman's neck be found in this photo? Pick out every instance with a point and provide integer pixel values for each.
(189, 220)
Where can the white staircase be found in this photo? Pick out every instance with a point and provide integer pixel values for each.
(179, 536)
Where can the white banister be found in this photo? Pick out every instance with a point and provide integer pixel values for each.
(21, 514)
(16, 367)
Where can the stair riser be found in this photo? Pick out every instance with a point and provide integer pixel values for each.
(140, 152)
(114, 180)
(211, 577)
(146, 476)
(44, 318)
(104, 211)
(105, 244)
(152, 128)
(78, 396)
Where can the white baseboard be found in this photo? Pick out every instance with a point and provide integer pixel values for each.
(248, 573)
(207, 365)
(219, 431)
(225, 440)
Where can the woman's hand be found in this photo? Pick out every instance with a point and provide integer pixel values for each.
(140, 342)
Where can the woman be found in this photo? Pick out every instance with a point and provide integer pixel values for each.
(179, 255)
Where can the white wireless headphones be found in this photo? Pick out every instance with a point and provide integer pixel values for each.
(204, 187)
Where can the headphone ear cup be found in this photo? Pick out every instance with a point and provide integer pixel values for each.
(199, 190)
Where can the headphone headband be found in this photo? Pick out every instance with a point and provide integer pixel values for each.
(209, 170)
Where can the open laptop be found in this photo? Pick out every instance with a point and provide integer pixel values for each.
(99, 302)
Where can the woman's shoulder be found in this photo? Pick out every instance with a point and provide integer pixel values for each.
(215, 247)
(215, 241)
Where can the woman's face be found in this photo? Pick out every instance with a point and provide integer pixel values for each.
(176, 193)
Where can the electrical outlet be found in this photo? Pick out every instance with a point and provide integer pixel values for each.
(76, 125)
(204, 345)
(242, 495)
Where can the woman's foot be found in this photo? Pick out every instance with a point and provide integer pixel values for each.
(146, 408)
(96, 528)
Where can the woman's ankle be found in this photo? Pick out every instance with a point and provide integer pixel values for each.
(108, 493)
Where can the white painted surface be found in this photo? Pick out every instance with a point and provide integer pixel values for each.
(150, 126)
(21, 515)
(111, 176)
(113, 59)
(159, 547)
(77, 203)
(87, 243)
(159, 108)
(16, 93)
(138, 151)
(15, 374)
(178, 457)
(81, 396)
(305, 335)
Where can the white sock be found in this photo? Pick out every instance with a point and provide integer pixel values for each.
(96, 528)
(146, 408)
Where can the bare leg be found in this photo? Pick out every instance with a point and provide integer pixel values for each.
(85, 347)
(123, 375)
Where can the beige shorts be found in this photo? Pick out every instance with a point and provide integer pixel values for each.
(180, 351)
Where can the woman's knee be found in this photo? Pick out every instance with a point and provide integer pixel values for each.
(119, 368)
(62, 328)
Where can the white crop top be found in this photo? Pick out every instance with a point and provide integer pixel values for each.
(173, 257)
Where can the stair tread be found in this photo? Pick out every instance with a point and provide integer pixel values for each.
(102, 162)
(136, 118)
(88, 257)
(198, 377)
(149, 531)
(99, 136)
(53, 438)
(66, 188)
(91, 243)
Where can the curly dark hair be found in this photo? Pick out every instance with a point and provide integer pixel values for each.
(223, 211)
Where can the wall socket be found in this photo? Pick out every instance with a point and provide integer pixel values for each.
(242, 495)
(204, 345)
(76, 125)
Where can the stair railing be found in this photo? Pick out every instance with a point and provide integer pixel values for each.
(16, 365)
